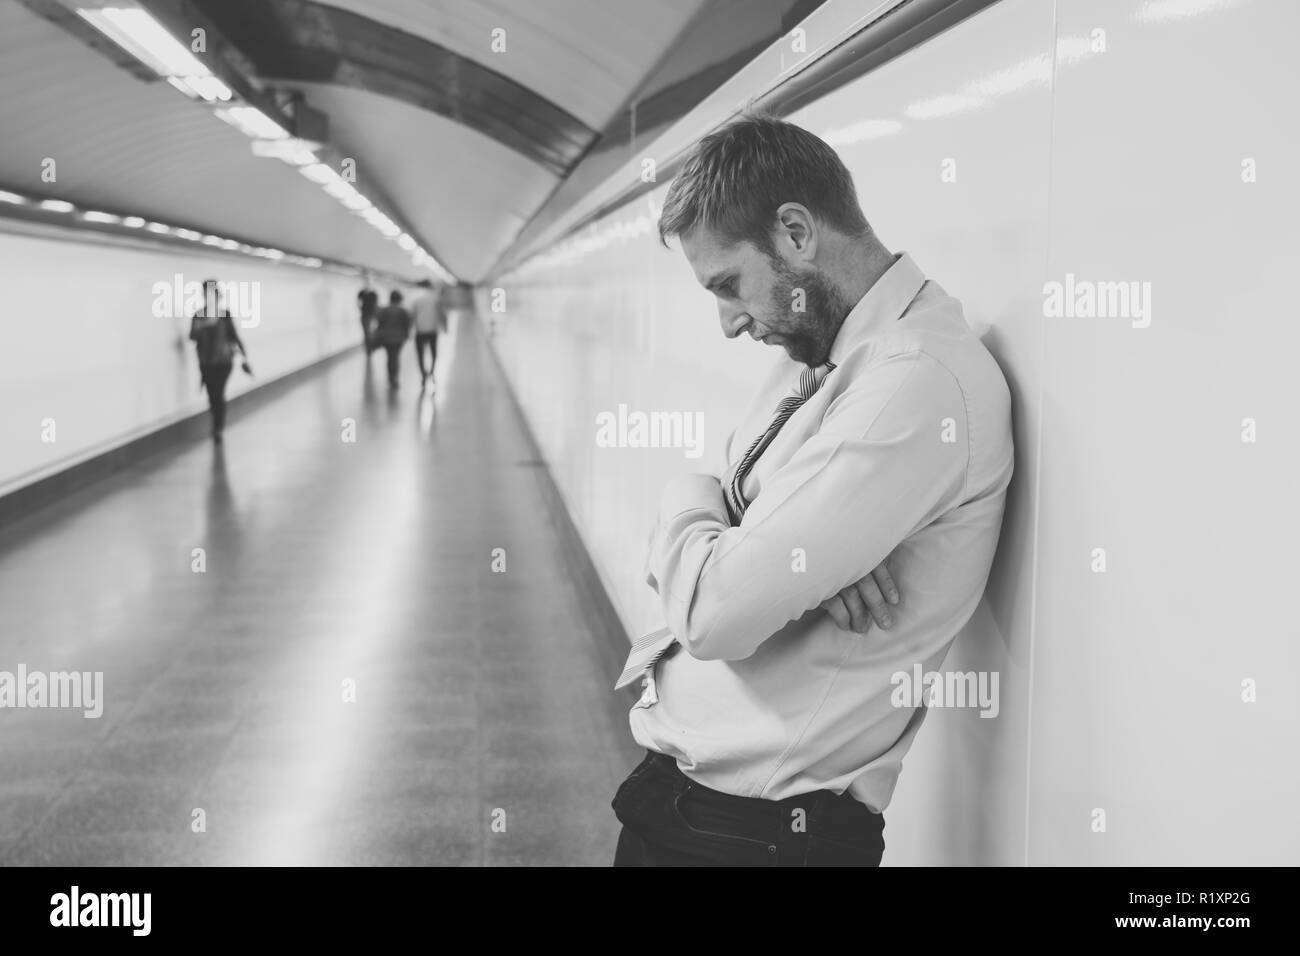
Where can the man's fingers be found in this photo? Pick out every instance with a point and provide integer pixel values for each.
(875, 601)
(886, 583)
(858, 612)
(838, 612)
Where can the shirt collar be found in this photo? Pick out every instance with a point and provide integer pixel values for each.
(883, 304)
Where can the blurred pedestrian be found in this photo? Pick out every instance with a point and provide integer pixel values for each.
(430, 314)
(392, 329)
(368, 302)
(215, 338)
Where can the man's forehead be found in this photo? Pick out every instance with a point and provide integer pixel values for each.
(710, 256)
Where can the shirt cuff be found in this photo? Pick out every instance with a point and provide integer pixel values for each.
(692, 492)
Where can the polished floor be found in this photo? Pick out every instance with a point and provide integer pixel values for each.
(338, 677)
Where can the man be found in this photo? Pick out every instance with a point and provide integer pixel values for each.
(392, 329)
(368, 303)
(768, 710)
(430, 318)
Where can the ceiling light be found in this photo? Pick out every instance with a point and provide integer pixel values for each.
(143, 37)
(1166, 11)
(158, 228)
(945, 105)
(406, 242)
(206, 88)
(341, 189)
(356, 202)
(93, 216)
(209, 88)
(57, 205)
(291, 149)
(133, 222)
(861, 131)
(11, 197)
(251, 121)
(320, 173)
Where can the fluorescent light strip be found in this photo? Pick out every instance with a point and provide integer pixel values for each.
(341, 189)
(211, 89)
(370, 213)
(252, 122)
(135, 31)
(321, 174)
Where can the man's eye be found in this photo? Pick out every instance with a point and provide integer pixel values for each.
(728, 289)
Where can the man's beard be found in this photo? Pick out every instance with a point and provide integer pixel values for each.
(811, 334)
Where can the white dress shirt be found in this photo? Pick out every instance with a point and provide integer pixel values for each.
(906, 451)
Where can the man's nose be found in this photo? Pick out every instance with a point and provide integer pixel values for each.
(732, 320)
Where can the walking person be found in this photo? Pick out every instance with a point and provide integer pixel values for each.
(392, 329)
(368, 303)
(215, 338)
(430, 315)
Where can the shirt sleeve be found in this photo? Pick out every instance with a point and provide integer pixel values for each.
(877, 471)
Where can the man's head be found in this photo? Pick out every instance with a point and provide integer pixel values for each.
(769, 220)
(394, 298)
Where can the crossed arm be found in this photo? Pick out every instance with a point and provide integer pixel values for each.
(820, 531)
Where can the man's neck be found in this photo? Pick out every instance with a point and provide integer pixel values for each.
(860, 267)
(856, 267)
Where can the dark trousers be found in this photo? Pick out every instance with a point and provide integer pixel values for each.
(214, 380)
(366, 336)
(394, 350)
(670, 820)
(431, 340)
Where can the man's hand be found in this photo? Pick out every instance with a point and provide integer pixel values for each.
(854, 608)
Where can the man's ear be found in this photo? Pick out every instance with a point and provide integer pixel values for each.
(797, 231)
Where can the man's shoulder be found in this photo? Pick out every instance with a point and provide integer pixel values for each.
(922, 371)
(933, 339)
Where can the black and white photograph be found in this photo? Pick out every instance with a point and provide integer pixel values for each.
(649, 433)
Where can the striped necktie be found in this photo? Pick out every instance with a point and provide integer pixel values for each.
(648, 649)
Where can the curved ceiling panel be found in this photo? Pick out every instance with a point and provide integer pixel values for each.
(467, 195)
(301, 41)
(141, 148)
(586, 56)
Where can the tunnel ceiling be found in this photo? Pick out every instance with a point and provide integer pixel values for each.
(472, 118)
